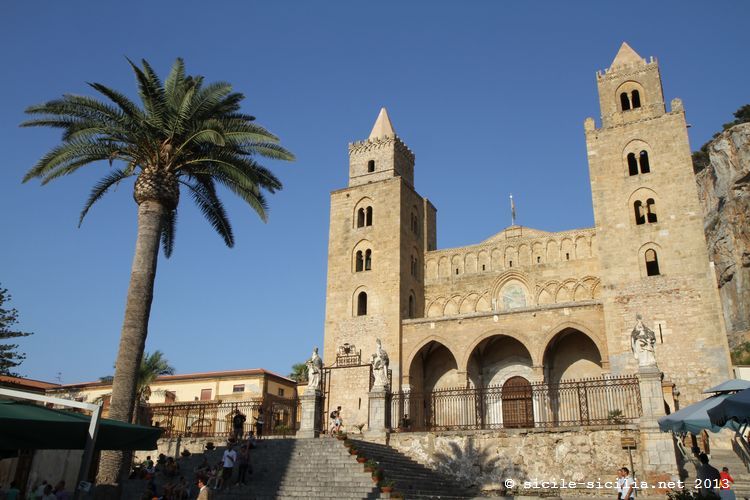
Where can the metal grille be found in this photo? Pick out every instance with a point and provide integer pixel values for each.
(520, 404)
(214, 418)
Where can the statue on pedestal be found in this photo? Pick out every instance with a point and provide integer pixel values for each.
(642, 342)
(380, 363)
(314, 371)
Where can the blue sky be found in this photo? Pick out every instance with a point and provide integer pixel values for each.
(491, 97)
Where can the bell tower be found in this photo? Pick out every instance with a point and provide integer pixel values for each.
(379, 230)
(649, 229)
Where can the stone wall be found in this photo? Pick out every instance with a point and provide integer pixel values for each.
(724, 192)
(487, 458)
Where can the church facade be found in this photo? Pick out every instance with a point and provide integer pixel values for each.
(528, 306)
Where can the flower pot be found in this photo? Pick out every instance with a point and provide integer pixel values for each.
(386, 489)
(361, 460)
(353, 451)
(369, 469)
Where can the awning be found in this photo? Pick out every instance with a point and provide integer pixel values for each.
(694, 418)
(732, 385)
(735, 408)
(29, 426)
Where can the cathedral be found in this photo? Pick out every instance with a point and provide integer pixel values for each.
(527, 306)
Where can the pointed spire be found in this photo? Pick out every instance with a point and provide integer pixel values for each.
(383, 126)
(626, 56)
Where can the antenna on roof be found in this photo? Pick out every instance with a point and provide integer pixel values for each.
(512, 211)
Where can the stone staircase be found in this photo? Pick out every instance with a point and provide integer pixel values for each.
(314, 468)
(413, 479)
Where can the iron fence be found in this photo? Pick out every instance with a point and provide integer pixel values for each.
(585, 402)
(214, 418)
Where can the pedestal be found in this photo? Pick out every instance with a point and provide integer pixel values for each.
(309, 426)
(657, 448)
(377, 429)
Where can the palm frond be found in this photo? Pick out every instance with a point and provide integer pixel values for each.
(100, 189)
(168, 230)
(204, 194)
(126, 105)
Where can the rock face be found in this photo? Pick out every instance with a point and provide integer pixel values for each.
(724, 190)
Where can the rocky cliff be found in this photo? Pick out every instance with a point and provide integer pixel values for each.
(724, 190)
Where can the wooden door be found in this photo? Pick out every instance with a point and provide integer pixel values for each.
(518, 407)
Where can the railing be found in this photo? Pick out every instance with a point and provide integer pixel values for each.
(214, 418)
(586, 402)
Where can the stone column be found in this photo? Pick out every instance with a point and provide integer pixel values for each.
(309, 425)
(379, 405)
(657, 448)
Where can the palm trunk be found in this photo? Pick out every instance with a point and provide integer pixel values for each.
(114, 465)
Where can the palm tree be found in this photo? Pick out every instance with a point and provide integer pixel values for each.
(299, 372)
(184, 135)
(152, 365)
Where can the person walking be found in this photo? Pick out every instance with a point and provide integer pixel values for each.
(259, 421)
(725, 485)
(238, 423)
(628, 485)
(227, 463)
(243, 464)
(619, 484)
(13, 493)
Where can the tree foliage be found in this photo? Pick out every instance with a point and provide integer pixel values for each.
(701, 157)
(299, 372)
(9, 356)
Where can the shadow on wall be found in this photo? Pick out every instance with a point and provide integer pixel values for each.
(478, 468)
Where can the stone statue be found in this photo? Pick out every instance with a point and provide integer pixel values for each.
(642, 342)
(314, 371)
(380, 363)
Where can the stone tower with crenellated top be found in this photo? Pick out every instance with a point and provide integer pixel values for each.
(380, 228)
(649, 228)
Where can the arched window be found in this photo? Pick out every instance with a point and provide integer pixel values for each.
(414, 264)
(651, 210)
(368, 216)
(652, 263)
(361, 217)
(636, 98)
(411, 305)
(643, 160)
(415, 224)
(624, 101)
(362, 304)
(368, 260)
(359, 265)
(640, 218)
(371, 166)
(632, 164)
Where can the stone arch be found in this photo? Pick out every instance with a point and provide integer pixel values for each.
(452, 306)
(565, 291)
(444, 267)
(435, 309)
(484, 304)
(635, 147)
(537, 253)
(583, 247)
(371, 301)
(483, 263)
(469, 349)
(553, 332)
(470, 263)
(457, 265)
(643, 196)
(553, 251)
(524, 255)
(581, 292)
(363, 203)
(571, 354)
(431, 269)
(547, 293)
(651, 245)
(511, 258)
(468, 304)
(566, 250)
(635, 95)
(362, 246)
(432, 365)
(506, 277)
(497, 260)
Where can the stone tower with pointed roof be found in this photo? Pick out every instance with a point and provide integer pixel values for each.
(652, 251)
(380, 228)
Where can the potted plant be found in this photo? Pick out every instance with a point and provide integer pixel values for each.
(360, 427)
(370, 465)
(340, 435)
(361, 458)
(377, 475)
(353, 450)
(209, 446)
(386, 486)
(396, 494)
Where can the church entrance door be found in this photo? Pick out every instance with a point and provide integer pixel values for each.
(518, 407)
